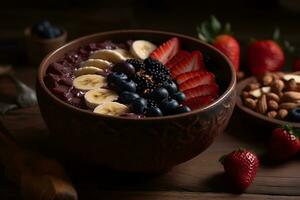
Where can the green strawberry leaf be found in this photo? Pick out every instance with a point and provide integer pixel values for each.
(276, 34)
(215, 25)
(206, 31)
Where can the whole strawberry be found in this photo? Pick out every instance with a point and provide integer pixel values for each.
(264, 56)
(212, 32)
(240, 167)
(284, 144)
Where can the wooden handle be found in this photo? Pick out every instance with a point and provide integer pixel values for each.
(39, 178)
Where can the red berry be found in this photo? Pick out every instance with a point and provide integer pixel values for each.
(166, 51)
(230, 47)
(187, 64)
(199, 61)
(283, 144)
(202, 90)
(177, 58)
(265, 56)
(240, 167)
(204, 78)
(200, 101)
(188, 75)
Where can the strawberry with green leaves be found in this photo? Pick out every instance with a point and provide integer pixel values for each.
(211, 31)
(284, 143)
(240, 167)
(268, 55)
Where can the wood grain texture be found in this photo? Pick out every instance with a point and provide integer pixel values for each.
(201, 174)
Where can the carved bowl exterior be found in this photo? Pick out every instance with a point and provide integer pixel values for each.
(137, 145)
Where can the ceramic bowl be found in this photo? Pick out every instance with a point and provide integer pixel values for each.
(138, 145)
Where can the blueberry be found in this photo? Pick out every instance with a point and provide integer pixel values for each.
(124, 67)
(114, 76)
(159, 94)
(154, 111)
(45, 23)
(294, 114)
(125, 85)
(179, 96)
(182, 109)
(169, 106)
(128, 97)
(56, 31)
(139, 105)
(170, 86)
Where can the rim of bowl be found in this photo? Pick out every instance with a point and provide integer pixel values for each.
(231, 86)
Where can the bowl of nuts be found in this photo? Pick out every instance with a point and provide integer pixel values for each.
(271, 98)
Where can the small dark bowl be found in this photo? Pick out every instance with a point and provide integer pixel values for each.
(137, 145)
(254, 117)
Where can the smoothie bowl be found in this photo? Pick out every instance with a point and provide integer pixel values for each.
(135, 100)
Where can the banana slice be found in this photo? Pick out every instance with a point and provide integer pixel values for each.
(96, 97)
(89, 82)
(109, 55)
(125, 53)
(111, 108)
(87, 70)
(99, 63)
(142, 48)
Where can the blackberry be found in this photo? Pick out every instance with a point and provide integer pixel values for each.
(159, 72)
(151, 103)
(144, 83)
(136, 64)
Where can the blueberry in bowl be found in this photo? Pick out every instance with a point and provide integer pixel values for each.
(139, 100)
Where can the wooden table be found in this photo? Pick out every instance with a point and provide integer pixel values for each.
(199, 178)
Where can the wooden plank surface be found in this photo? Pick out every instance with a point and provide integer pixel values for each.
(201, 174)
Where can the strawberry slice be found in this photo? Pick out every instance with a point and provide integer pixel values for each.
(166, 51)
(189, 63)
(177, 58)
(203, 78)
(197, 102)
(202, 90)
(199, 61)
(188, 75)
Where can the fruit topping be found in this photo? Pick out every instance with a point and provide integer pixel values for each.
(139, 105)
(142, 49)
(204, 78)
(125, 68)
(112, 109)
(98, 96)
(166, 51)
(169, 106)
(87, 70)
(99, 63)
(89, 82)
(128, 97)
(108, 55)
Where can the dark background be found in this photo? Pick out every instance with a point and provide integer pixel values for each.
(256, 18)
